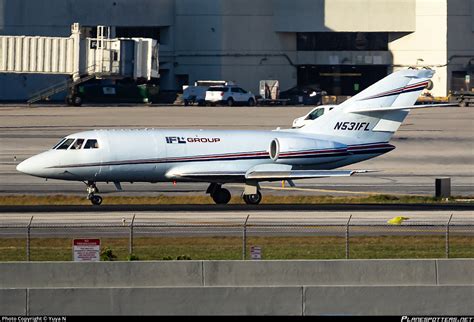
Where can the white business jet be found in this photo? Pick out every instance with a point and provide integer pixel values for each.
(358, 129)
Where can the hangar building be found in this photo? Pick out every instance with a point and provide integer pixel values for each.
(340, 46)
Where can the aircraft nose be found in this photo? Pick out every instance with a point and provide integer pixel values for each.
(26, 166)
(34, 166)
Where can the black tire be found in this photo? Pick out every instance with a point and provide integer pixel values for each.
(230, 102)
(96, 200)
(186, 103)
(221, 196)
(251, 102)
(68, 101)
(253, 199)
(76, 100)
(430, 85)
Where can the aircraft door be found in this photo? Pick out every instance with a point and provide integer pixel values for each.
(101, 153)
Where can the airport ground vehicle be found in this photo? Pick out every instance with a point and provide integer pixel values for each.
(103, 92)
(303, 95)
(269, 91)
(358, 129)
(229, 95)
(463, 98)
(196, 94)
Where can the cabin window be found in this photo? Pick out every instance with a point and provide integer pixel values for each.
(315, 114)
(58, 144)
(77, 145)
(91, 144)
(65, 144)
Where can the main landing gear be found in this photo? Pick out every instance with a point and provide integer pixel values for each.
(222, 196)
(91, 193)
(253, 199)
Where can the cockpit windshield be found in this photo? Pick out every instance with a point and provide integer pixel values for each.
(59, 143)
(77, 144)
(315, 114)
(65, 144)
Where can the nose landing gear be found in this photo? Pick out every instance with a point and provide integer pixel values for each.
(91, 193)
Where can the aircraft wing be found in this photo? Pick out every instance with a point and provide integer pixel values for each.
(298, 174)
(210, 176)
(264, 175)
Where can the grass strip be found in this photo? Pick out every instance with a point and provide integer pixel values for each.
(230, 248)
(33, 200)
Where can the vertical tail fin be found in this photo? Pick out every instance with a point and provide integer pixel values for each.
(398, 89)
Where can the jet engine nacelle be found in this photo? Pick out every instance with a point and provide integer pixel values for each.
(293, 150)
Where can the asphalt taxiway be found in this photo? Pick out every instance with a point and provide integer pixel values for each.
(208, 223)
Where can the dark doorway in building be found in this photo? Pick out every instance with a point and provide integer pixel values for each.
(182, 80)
(460, 81)
(340, 79)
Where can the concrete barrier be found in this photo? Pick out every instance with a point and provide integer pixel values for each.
(12, 301)
(455, 271)
(389, 300)
(270, 300)
(167, 301)
(229, 273)
(411, 287)
(101, 274)
(321, 272)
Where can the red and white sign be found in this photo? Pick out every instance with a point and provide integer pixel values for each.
(86, 250)
(255, 252)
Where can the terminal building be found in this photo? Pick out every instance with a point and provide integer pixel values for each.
(340, 46)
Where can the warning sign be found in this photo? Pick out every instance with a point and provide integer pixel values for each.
(255, 252)
(86, 250)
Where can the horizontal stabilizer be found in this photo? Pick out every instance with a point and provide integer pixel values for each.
(394, 108)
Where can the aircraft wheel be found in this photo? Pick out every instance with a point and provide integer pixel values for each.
(96, 200)
(253, 199)
(221, 196)
(69, 100)
(76, 100)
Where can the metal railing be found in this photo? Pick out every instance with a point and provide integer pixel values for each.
(47, 92)
(220, 238)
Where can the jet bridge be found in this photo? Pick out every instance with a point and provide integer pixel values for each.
(79, 57)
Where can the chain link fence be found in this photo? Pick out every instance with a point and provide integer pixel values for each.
(136, 238)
